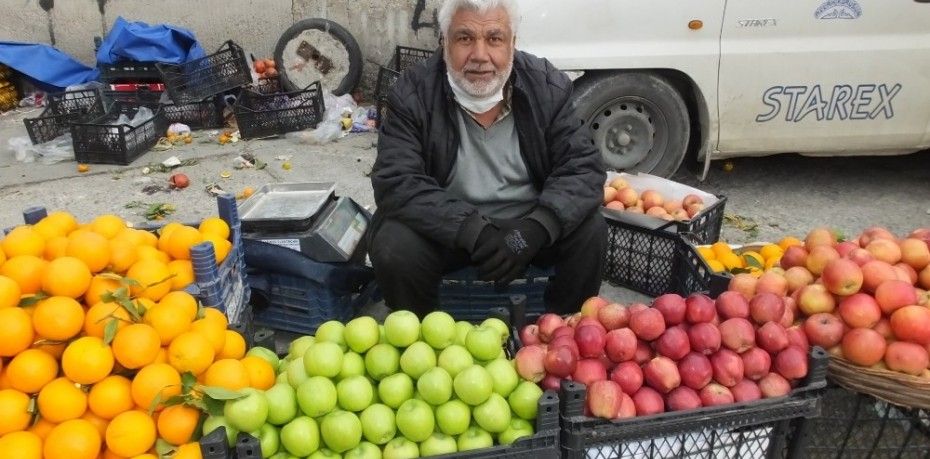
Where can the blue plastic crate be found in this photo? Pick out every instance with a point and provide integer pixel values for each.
(467, 298)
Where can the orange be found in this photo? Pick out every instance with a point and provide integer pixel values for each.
(221, 247)
(145, 252)
(52, 348)
(61, 400)
(129, 235)
(215, 314)
(153, 277)
(4, 381)
(16, 330)
(228, 374)
(99, 285)
(48, 230)
(147, 238)
(162, 356)
(74, 439)
(110, 397)
(9, 292)
(21, 445)
(122, 255)
(153, 456)
(107, 226)
(23, 240)
(55, 247)
(87, 360)
(730, 260)
(62, 220)
(42, 427)
(58, 318)
(720, 248)
(164, 233)
(789, 241)
(31, 370)
(66, 276)
(213, 331)
(92, 248)
(168, 322)
(100, 314)
(261, 374)
(131, 433)
(181, 240)
(26, 270)
(772, 262)
(155, 380)
(233, 346)
(706, 253)
(144, 304)
(188, 451)
(190, 351)
(136, 346)
(182, 272)
(99, 423)
(178, 423)
(183, 301)
(215, 226)
(14, 411)
(2, 257)
(770, 251)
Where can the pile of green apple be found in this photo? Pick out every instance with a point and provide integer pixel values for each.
(400, 389)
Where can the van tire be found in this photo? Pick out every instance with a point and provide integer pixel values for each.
(638, 121)
(350, 70)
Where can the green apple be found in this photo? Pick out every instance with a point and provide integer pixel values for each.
(498, 325)
(364, 450)
(282, 404)
(417, 358)
(473, 385)
(378, 424)
(296, 372)
(341, 430)
(453, 417)
(395, 390)
(301, 436)
(438, 443)
(352, 365)
(524, 400)
(438, 329)
(316, 396)
(517, 428)
(323, 359)
(248, 413)
(299, 346)
(355, 393)
(461, 331)
(401, 448)
(381, 361)
(415, 420)
(266, 354)
(332, 331)
(324, 453)
(454, 359)
(401, 328)
(283, 455)
(212, 423)
(268, 439)
(504, 375)
(493, 415)
(435, 386)
(475, 438)
(281, 377)
(361, 333)
(484, 343)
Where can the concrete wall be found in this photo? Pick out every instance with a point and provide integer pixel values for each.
(378, 26)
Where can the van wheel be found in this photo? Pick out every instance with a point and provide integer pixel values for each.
(321, 50)
(639, 121)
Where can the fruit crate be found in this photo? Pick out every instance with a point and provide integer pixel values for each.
(267, 85)
(465, 297)
(205, 114)
(99, 142)
(63, 110)
(763, 428)
(856, 425)
(265, 115)
(195, 80)
(404, 57)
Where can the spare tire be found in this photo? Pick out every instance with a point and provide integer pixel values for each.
(321, 50)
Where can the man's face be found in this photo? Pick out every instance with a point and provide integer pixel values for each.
(479, 50)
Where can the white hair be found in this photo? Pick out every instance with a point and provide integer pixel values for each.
(450, 7)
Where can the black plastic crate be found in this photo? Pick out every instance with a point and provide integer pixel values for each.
(135, 71)
(406, 57)
(856, 425)
(206, 114)
(265, 115)
(465, 297)
(763, 428)
(268, 85)
(63, 110)
(98, 142)
(198, 79)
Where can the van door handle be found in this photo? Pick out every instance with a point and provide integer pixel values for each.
(922, 1)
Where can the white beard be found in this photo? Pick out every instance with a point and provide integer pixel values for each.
(480, 96)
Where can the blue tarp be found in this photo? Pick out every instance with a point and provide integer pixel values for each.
(48, 67)
(138, 41)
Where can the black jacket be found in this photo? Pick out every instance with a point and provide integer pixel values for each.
(419, 142)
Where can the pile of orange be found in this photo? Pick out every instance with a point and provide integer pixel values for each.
(80, 371)
(755, 260)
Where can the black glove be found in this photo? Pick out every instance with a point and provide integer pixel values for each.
(503, 251)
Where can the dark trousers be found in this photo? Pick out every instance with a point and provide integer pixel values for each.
(409, 266)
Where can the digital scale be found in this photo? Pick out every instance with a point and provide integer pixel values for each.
(306, 217)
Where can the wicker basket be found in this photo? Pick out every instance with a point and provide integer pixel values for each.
(891, 386)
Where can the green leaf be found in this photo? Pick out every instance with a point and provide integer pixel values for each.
(109, 331)
(32, 408)
(188, 381)
(752, 262)
(155, 402)
(32, 300)
(218, 393)
(175, 400)
(128, 305)
(170, 276)
(740, 271)
(164, 449)
(131, 282)
(213, 406)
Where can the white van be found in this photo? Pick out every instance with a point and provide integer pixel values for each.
(662, 81)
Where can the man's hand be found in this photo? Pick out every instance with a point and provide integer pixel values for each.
(504, 251)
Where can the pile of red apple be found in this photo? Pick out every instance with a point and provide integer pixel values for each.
(864, 299)
(679, 354)
(619, 195)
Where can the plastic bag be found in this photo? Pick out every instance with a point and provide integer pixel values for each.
(142, 115)
(337, 106)
(51, 152)
(326, 132)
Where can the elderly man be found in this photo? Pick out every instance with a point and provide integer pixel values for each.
(482, 161)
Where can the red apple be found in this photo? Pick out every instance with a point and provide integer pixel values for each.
(613, 316)
(819, 237)
(794, 256)
(906, 357)
(672, 307)
(590, 341)
(683, 398)
(886, 250)
(648, 402)
(561, 361)
(694, 209)
(661, 374)
(699, 308)
(774, 385)
(627, 196)
(875, 273)
(673, 206)
(714, 394)
(863, 346)
(772, 282)
(674, 343)
(814, 299)
(860, 311)
(843, 248)
(842, 277)
(791, 363)
(648, 324)
(874, 232)
(547, 324)
(797, 337)
(592, 305)
(824, 330)
(756, 363)
(619, 183)
(652, 198)
(819, 257)
(746, 391)
(728, 367)
(643, 352)
(551, 382)
(912, 323)
(745, 284)
(695, 370)
(705, 338)
(604, 399)
(766, 307)
(772, 337)
(892, 295)
(732, 304)
(860, 256)
(529, 335)
(637, 307)
(691, 199)
(883, 327)
(592, 321)
(587, 371)
(797, 277)
(628, 375)
(737, 334)
(610, 193)
(529, 363)
(620, 345)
